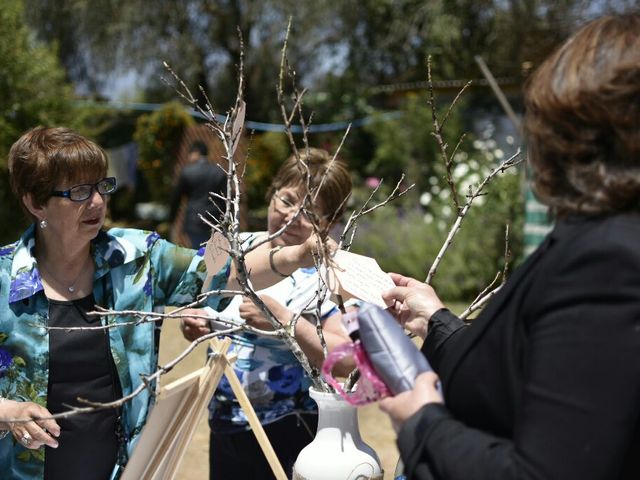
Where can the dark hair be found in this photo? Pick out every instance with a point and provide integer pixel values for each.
(582, 120)
(43, 158)
(200, 147)
(325, 173)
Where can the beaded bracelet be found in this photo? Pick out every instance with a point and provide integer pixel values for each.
(272, 252)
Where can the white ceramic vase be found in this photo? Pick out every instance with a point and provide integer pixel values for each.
(337, 452)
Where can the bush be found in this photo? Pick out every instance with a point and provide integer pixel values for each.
(34, 92)
(406, 239)
(159, 135)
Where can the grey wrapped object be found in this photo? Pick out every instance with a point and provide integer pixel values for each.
(395, 358)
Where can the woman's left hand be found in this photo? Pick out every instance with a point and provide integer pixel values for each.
(255, 317)
(406, 404)
(41, 430)
(193, 323)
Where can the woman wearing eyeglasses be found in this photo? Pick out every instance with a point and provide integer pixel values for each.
(271, 376)
(63, 266)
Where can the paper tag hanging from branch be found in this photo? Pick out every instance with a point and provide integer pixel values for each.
(352, 275)
(238, 123)
(216, 254)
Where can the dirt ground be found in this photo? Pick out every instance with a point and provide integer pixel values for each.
(375, 427)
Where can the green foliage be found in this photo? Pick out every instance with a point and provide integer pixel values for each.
(405, 145)
(266, 154)
(407, 240)
(34, 92)
(159, 135)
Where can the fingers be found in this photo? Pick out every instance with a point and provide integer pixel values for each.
(38, 436)
(331, 245)
(427, 380)
(402, 281)
(406, 404)
(194, 328)
(37, 432)
(395, 294)
(50, 426)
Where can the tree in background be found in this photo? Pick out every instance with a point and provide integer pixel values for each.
(159, 135)
(342, 50)
(34, 92)
(403, 234)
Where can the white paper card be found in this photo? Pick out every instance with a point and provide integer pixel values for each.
(361, 277)
(216, 254)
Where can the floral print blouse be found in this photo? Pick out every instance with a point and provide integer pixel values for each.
(134, 270)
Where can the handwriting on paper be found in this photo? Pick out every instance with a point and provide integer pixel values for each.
(361, 277)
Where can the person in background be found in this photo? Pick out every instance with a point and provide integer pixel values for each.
(545, 382)
(271, 376)
(61, 267)
(197, 181)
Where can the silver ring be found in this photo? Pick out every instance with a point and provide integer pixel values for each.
(26, 439)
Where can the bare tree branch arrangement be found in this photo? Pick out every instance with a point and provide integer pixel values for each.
(228, 130)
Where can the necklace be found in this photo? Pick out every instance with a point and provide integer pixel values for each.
(71, 288)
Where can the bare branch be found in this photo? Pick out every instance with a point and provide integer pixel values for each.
(508, 163)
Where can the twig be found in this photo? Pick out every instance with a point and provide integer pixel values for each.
(508, 163)
(487, 293)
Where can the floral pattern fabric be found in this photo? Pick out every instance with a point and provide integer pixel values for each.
(134, 270)
(270, 374)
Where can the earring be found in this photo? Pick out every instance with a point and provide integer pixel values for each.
(43, 224)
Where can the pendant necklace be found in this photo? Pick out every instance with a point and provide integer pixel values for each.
(71, 288)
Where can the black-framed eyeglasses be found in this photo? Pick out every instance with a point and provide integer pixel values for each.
(80, 193)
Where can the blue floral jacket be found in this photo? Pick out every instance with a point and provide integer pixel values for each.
(135, 270)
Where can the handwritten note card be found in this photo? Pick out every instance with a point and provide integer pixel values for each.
(215, 255)
(361, 277)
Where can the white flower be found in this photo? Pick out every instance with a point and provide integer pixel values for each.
(460, 170)
(473, 178)
(499, 154)
(425, 199)
(460, 156)
(428, 218)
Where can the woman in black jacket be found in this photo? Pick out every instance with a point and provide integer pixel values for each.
(545, 383)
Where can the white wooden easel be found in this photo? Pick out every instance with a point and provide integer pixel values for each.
(172, 421)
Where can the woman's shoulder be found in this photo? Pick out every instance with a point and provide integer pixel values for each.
(7, 251)
(616, 233)
(593, 248)
(123, 245)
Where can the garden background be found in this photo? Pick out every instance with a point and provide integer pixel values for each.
(97, 66)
